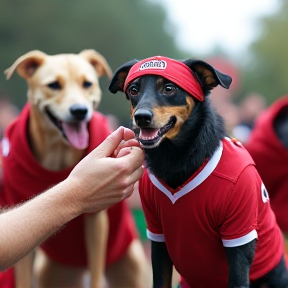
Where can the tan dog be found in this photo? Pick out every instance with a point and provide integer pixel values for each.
(63, 91)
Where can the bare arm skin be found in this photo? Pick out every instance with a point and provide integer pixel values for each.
(162, 265)
(239, 261)
(103, 180)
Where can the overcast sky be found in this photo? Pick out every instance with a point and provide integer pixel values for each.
(229, 24)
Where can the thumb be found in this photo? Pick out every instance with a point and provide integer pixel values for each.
(108, 146)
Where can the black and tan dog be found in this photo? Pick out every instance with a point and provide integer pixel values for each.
(207, 210)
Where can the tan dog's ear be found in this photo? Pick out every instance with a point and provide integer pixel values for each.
(97, 61)
(27, 64)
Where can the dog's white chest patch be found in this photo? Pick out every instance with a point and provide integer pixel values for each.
(5, 145)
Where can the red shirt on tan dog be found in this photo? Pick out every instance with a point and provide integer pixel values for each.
(54, 131)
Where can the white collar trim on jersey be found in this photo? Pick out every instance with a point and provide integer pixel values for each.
(206, 171)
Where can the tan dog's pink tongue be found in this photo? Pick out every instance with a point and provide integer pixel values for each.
(77, 134)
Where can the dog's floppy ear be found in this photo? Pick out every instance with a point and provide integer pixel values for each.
(97, 61)
(119, 77)
(208, 76)
(27, 64)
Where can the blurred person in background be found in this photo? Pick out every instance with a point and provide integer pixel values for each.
(113, 122)
(250, 108)
(8, 112)
(268, 145)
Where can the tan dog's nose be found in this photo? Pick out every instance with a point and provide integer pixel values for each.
(79, 111)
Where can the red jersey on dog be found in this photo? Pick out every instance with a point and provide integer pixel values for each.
(24, 178)
(271, 159)
(224, 204)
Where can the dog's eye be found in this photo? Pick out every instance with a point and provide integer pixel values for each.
(169, 88)
(133, 90)
(87, 84)
(54, 85)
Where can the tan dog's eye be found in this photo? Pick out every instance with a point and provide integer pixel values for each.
(54, 85)
(87, 84)
(169, 88)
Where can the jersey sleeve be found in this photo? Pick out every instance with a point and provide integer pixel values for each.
(153, 223)
(240, 222)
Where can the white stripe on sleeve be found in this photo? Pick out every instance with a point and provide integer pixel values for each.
(155, 237)
(241, 240)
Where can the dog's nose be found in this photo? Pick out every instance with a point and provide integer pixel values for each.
(78, 111)
(143, 117)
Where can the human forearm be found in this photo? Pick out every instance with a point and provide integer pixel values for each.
(40, 216)
(97, 182)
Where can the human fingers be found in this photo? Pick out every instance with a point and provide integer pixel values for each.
(128, 134)
(131, 157)
(132, 182)
(122, 152)
(130, 143)
(108, 146)
(135, 175)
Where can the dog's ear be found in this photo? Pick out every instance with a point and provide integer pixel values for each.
(27, 64)
(97, 61)
(119, 77)
(207, 75)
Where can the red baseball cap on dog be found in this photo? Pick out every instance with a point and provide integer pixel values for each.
(171, 69)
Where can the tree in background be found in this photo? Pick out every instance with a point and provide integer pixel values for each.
(266, 71)
(119, 30)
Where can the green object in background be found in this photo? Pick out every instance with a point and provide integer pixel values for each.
(140, 223)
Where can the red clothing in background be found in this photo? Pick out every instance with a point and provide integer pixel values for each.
(271, 158)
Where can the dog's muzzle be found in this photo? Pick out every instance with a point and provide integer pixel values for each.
(151, 136)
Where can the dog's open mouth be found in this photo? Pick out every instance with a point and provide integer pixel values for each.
(76, 133)
(152, 137)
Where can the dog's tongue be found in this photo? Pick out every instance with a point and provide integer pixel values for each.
(77, 134)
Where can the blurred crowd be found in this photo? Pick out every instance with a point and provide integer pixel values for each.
(8, 112)
(239, 115)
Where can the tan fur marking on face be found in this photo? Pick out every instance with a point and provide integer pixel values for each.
(162, 116)
(131, 110)
(182, 115)
(160, 83)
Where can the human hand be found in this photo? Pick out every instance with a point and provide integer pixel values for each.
(99, 180)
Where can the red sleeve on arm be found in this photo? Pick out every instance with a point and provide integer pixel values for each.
(240, 223)
(153, 222)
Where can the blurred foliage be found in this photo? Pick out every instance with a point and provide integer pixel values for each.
(124, 30)
(266, 71)
(119, 30)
